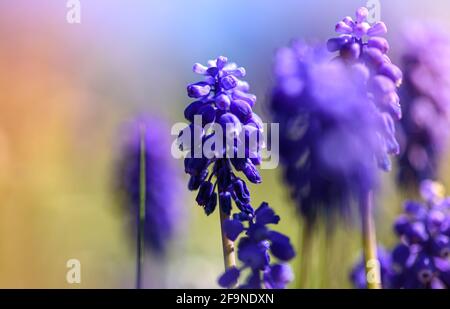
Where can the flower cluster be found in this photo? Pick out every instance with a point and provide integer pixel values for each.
(363, 48)
(161, 213)
(253, 250)
(223, 103)
(336, 117)
(358, 273)
(425, 96)
(328, 130)
(421, 260)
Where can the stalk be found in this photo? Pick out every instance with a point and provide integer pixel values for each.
(227, 245)
(372, 265)
(141, 213)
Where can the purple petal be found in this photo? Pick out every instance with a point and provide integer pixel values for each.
(343, 28)
(336, 44)
(232, 228)
(265, 215)
(281, 246)
(198, 90)
(241, 109)
(229, 278)
(361, 14)
(223, 101)
(377, 29)
(360, 30)
(199, 68)
(228, 82)
(393, 72)
(247, 97)
(380, 43)
(221, 61)
(278, 276)
(251, 173)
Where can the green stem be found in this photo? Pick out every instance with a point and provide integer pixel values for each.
(227, 244)
(372, 264)
(141, 213)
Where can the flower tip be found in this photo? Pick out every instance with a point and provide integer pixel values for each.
(348, 20)
(361, 14)
(221, 61)
(199, 68)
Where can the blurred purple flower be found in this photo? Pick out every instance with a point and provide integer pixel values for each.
(425, 127)
(358, 274)
(421, 259)
(161, 181)
(329, 131)
(253, 251)
(362, 48)
(336, 117)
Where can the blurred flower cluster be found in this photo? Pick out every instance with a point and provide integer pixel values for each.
(425, 127)
(421, 259)
(327, 130)
(336, 117)
(162, 210)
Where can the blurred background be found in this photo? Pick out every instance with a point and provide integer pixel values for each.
(65, 90)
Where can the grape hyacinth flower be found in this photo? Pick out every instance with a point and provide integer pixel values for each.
(362, 47)
(223, 103)
(147, 180)
(358, 273)
(337, 121)
(328, 131)
(329, 135)
(421, 259)
(425, 125)
(253, 251)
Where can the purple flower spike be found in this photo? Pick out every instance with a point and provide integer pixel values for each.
(330, 130)
(222, 99)
(161, 181)
(371, 52)
(223, 102)
(253, 251)
(425, 127)
(421, 260)
(337, 118)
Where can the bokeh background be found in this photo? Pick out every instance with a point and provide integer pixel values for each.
(65, 90)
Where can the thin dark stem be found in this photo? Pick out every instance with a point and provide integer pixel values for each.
(141, 212)
(372, 263)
